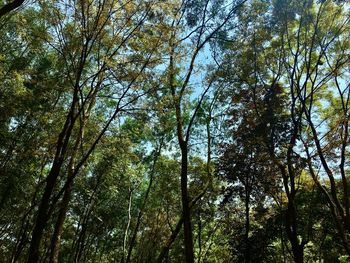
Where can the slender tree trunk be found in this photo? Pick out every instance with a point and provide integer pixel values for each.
(281, 230)
(42, 216)
(126, 233)
(23, 233)
(199, 236)
(247, 227)
(336, 213)
(78, 246)
(81, 240)
(177, 229)
(56, 238)
(166, 248)
(185, 205)
(188, 240)
(23, 238)
(140, 214)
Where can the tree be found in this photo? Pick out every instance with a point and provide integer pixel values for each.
(174, 131)
(202, 34)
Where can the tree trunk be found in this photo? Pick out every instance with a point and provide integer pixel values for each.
(298, 253)
(126, 233)
(170, 241)
(81, 240)
(188, 240)
(247, 228)
(7, 8)
(177, 229)
(140, 214)
(297, 247)
(185, 205)
(199, 236)
(56, 238)
(20, 244)
(42, 217)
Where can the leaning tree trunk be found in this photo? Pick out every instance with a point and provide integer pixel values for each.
(7, 8)
(43, 216)
(56, 238)
(43, 211)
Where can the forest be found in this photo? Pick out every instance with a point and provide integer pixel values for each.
(169, 131)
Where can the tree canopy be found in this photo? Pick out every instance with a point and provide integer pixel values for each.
(174, 131)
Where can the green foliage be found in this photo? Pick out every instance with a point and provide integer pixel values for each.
(102, 99)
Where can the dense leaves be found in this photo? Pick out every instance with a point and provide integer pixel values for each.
(174, 131)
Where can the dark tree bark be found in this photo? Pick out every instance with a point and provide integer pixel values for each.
(185, 205)
(186, 215)
(165, 250)
(42, 217)
(7, 8)
(43, 211)
(297, 246)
